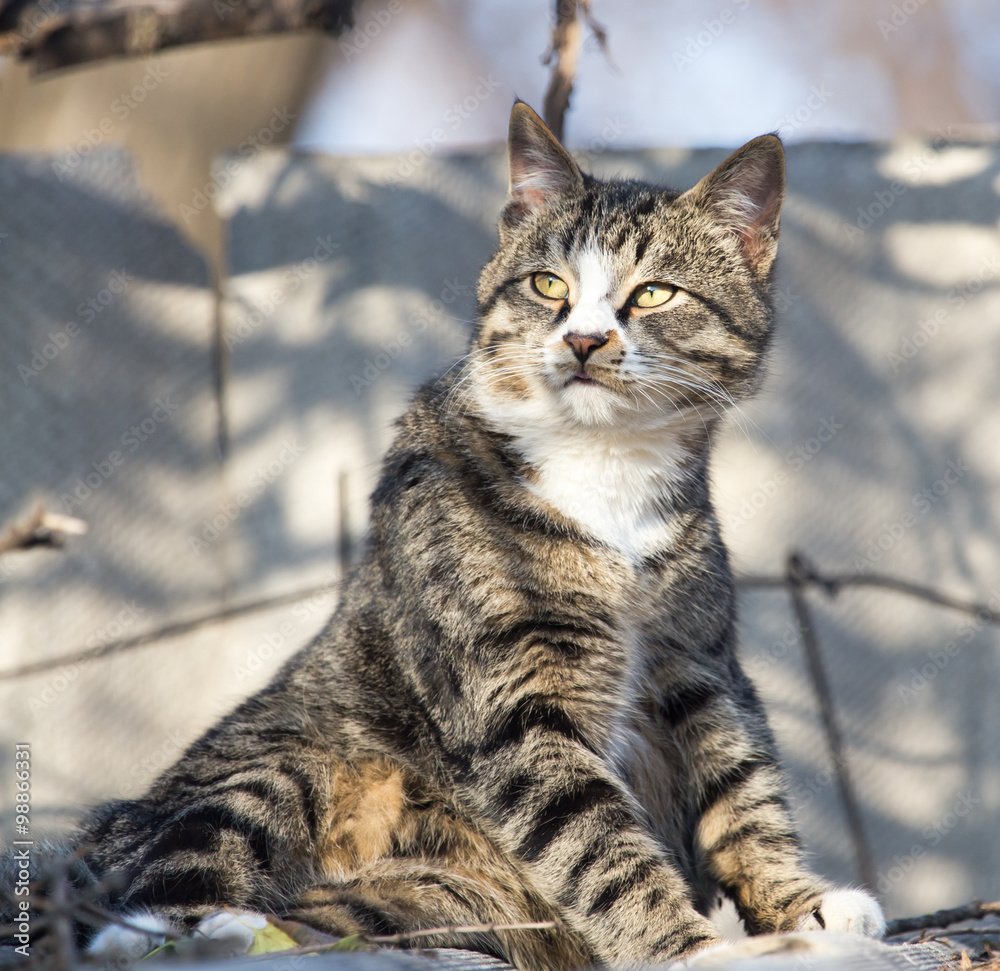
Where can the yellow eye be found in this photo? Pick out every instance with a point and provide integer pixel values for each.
(549, 285)
(652, 294)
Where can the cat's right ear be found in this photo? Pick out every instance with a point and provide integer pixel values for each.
(541, 170)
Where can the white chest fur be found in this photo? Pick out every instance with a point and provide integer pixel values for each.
(614, 489)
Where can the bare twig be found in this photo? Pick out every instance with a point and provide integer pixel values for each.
(168, 630)
(446, 930)
(453, 929)
(942, 918)
(41, 528)
(344, 524)
(832, 584)
(797, 573)
(565, 51)
(61, 916)
(54, 34)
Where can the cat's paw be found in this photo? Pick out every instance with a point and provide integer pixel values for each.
(231, 931)
(855, 911)
(120, 945)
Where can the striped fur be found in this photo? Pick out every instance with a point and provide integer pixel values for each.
(528, 705)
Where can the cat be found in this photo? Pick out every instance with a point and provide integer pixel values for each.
(528, 705)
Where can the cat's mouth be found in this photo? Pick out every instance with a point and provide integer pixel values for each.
(583, 376)
(595, 383)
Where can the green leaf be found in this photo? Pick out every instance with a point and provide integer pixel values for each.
(270, 938)
(353, 942)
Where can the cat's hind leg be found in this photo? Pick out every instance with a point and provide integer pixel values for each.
(399, 896)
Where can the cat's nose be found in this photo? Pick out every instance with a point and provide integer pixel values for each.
(584, 344)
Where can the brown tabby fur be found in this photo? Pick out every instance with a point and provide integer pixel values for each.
(510, 718)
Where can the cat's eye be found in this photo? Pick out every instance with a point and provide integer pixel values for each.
(549, 285)
(652, 295)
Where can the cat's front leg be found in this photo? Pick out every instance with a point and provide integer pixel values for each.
(746, 832)
(552, 804)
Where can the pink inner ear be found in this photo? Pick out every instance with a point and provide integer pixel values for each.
(749, 201)
(540, 168)
(533, 178)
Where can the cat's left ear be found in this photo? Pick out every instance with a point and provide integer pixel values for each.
(744, 195)
(541, 170)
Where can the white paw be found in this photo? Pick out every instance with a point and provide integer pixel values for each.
(855, 911)
(232, 929)
(123, 945)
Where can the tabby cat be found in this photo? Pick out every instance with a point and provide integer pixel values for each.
(528, 705)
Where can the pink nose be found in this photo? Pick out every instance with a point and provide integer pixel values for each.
(584, 344)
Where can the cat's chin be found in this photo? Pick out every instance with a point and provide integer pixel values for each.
(590, 403)
(593, 405)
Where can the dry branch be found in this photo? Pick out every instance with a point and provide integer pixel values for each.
(832, 584)
(54, 34)
(797, 575)
(564, 49)
(942, 918)
(461, 929)
(358, 941)
(41, 528)
(168, 630)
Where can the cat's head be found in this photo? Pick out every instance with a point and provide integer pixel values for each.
(624, 305)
